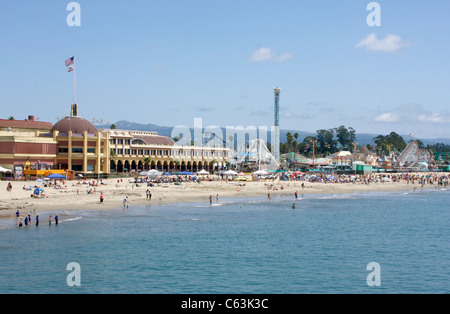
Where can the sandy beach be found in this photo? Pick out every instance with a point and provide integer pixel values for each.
(75, 196)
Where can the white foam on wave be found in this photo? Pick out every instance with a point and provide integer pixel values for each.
(71, 219)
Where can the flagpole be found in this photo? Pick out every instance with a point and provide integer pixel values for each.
(74, 69)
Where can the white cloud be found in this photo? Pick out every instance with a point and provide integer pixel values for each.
(266, 54)
(390, 44)
(284, 57)
(434, 118)
(262, 54)
(387, 117)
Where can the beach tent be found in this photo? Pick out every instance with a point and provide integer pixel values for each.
(261, 172)
(4, 169)
(153, 173)
(56, 176)
(167, 174)
(230, 173)
(203, 171)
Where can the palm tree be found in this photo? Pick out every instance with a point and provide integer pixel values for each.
(147, 160)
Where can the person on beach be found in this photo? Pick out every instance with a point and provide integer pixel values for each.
(56, 219)
(37, 220)
(20, 222)
(125, 201)
(101, 198)
(26, 221)
(268, 196)
(50, 220)
(9, 187)
(149, 195)
(293, 206)
(296, 195)
(210, 199)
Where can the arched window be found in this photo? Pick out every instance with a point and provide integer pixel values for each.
(138, 141)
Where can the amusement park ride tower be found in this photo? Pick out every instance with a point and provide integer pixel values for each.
(276, 136)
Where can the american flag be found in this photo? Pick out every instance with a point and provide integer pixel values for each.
(70, 61)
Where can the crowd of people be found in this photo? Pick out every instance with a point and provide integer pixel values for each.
(421, 179)
(28, 220)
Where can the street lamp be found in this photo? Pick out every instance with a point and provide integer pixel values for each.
(314, 142)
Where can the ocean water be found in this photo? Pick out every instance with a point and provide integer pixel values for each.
(243, 246)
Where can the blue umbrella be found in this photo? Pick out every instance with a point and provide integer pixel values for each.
(187, 173)
(56, 176)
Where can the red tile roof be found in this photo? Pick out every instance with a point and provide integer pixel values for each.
(25, 124)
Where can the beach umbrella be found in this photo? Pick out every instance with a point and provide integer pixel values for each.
(153, 173)
(4, 169)
(56, 176)
(167, 174)
(260, 172)
(187, 173)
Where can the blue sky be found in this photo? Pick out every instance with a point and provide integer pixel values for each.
(167, 62)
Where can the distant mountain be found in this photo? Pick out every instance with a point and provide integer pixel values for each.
(125, 125)
(361, 138)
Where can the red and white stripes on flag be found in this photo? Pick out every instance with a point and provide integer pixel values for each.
(70, 61)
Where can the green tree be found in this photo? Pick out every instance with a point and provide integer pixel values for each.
(345, 136)
(386, 143)
(326, 142)
(307, 147)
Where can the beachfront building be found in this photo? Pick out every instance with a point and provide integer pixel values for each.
(342, 159)
(81, 147)
(74, 145)
(34, 148)
(136, 151)
(25, 144)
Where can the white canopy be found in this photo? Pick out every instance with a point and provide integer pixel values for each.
(4, 169)
(344, 153)
(230, 173)
(203, 171)
(153, 173)
(260, 172)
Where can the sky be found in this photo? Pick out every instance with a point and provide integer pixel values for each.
(167, 62)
